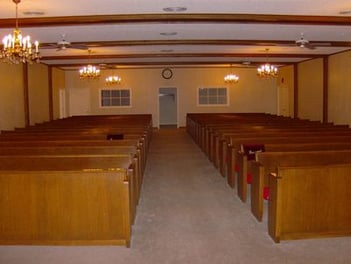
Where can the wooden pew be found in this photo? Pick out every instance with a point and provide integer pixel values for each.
(87, 143)
(267, 162)
(236, 143)
(222, 140)
(310, 202)
(132, 151)
(66, 200)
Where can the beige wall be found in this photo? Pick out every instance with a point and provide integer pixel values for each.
(310, 90)
(249, 95)
(11, 97)
(339, 91)
(38, 93)
(58, 84)
(285, 88)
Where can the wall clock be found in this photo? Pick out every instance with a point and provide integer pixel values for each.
(167, 73)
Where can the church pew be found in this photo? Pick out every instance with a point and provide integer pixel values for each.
(133, 151)
(220, 146)
(267, 162)
(235, 146)
(310, 202)
(218, 133)
(87, 143)
(66, 200)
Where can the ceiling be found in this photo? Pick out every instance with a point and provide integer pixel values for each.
(146, 33)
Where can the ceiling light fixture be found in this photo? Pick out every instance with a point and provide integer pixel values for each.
(231, 78)
(89, 72)
(113, 80)
(168, 33)
(267, 70)
(175, 9)
(17, 48)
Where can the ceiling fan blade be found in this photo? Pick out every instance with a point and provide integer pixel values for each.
(78, 46)
(309, 46)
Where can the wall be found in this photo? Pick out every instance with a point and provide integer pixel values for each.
(339, 91)
(58, 83)
(285, 88)
(11, 97)
(249, 95)
(310, 90)
(38, 93)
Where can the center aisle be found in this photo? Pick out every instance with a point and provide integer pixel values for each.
(188, 214)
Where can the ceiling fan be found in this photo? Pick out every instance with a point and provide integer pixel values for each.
(63, 44)
(304, 43)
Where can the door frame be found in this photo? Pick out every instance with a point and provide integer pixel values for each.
(176, 105)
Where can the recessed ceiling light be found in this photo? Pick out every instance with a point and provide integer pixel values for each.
(175, 9)
(33, 13)
(168, 33)
(345, 12)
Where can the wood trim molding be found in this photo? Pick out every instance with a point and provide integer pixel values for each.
(296, 91)
(325, 88)
(50, 86)
(26, 95)
(178, 18)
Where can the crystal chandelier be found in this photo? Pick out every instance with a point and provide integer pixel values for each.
(267, 70)
(89, 72)
(231, 78)
(17, 48)
(111, 80)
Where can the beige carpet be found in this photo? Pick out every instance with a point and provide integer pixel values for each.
(188, 214)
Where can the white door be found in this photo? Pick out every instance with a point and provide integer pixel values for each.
(168, 112)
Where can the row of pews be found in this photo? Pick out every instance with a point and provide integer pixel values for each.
(73, 181)
(302, 167)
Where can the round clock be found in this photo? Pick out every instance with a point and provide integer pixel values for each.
(167, 73)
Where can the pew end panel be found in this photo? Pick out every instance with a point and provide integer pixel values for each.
(65, 208)
(257, 185)
(310, 202)
(230, 166)
(241, 161)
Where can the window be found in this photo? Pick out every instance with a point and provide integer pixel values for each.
(213, 96)
(115, 98)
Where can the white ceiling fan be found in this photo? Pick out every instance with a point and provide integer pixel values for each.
(304, 43)
(63, 44)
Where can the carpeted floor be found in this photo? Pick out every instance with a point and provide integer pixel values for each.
(188, 214)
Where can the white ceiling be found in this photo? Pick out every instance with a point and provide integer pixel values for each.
(222, 32)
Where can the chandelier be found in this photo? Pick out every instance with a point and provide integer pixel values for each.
(267, 70)
(17, 48)
(231, 78)
(89, 72)
(111, 80)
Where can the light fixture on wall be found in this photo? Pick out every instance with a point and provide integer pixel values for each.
(89, 72)
(267, 70)
(17, 48)
(231, 78)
